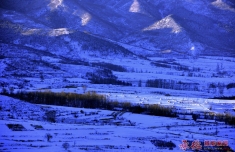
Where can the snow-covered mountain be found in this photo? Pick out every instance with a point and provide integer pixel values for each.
(184, 26)
(136, 40)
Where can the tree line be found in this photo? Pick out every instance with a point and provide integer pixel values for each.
(89, 100)
(171, 84)
(174, 65)
(110, 66)
(105, 76)
(93, 100)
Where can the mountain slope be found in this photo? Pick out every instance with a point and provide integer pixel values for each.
(206, 27)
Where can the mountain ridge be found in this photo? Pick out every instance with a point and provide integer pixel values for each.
(201, 23)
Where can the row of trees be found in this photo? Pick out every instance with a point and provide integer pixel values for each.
(179, 85)
(175, 65)
(171, 84)
(109, 66)
(105, 76)
(94, 100)
(213, 87)
(88, 100)
(227, 118)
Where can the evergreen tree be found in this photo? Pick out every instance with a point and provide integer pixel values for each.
(140, 83)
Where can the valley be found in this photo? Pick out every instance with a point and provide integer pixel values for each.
(129, 75)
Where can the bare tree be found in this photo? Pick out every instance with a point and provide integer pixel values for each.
(41, 77)
(221, 87)
(11, 90)
(84, 87)
(48, 137)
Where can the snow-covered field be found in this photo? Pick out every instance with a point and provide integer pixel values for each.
(99, 130)
(205, 72)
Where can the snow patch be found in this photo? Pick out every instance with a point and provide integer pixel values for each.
(167, 22)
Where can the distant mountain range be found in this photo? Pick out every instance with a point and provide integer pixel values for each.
(191, 27)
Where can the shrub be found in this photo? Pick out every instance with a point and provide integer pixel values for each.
(137, 109)
(16, 127)
(230, 85)
(65, 145)
(161, 143)
(4, 91)
(51, 115)
(194, 116)
(168, 127)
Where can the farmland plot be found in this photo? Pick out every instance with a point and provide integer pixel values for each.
(77, 129)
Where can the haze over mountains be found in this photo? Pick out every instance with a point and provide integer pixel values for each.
(205, 27)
